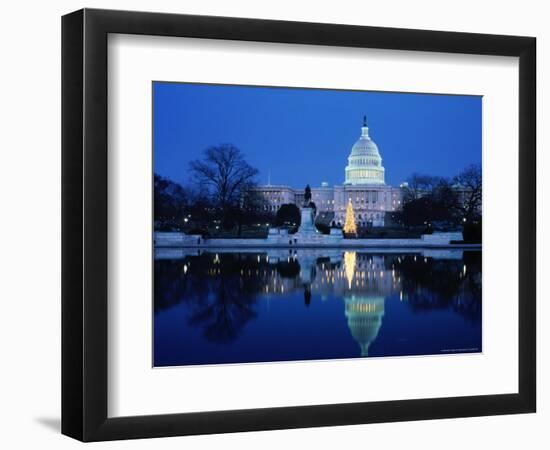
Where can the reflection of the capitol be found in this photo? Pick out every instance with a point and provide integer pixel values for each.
(362, 280)
(363, 312)
(364, 316)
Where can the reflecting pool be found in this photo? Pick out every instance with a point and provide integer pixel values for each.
(244, 306)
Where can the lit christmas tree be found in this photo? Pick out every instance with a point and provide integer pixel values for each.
(349, 226)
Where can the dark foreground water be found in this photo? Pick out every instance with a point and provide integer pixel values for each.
(281, 305)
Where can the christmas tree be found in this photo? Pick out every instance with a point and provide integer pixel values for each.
(349, 226)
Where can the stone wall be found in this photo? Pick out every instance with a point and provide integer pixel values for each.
(274, 239)
(175, 239)
(442, 238)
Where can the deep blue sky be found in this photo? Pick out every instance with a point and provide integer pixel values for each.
(305, 135)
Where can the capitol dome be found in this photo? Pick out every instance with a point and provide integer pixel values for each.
(364, 162)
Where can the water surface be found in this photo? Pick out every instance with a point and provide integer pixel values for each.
(224, 306)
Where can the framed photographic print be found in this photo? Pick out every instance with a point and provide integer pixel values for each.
(273, 224)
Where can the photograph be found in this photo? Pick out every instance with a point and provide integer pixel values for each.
(295, 224)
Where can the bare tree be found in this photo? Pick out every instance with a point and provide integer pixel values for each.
(469, 183)
(225, 174)
(170, 203)
(419, 185)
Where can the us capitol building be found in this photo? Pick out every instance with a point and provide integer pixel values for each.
(364, 187)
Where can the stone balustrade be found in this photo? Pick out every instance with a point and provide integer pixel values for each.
(281, 238)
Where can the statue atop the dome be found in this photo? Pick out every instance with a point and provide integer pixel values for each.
(364, 121)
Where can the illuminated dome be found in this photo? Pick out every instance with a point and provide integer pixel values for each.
(364, 162)
(364, 316)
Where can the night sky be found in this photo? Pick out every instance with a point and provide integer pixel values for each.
(304, 136)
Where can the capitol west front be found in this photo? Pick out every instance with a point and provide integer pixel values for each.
(364, 187)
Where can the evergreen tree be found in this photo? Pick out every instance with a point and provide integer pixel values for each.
(349, 225)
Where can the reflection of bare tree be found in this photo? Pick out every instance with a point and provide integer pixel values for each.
(212, 285)
(468, 303)
(442, 284)
(174, 283)
(225, 310)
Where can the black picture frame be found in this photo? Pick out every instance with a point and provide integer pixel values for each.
(84, 224)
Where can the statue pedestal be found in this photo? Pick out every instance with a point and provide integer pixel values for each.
(307, 225)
